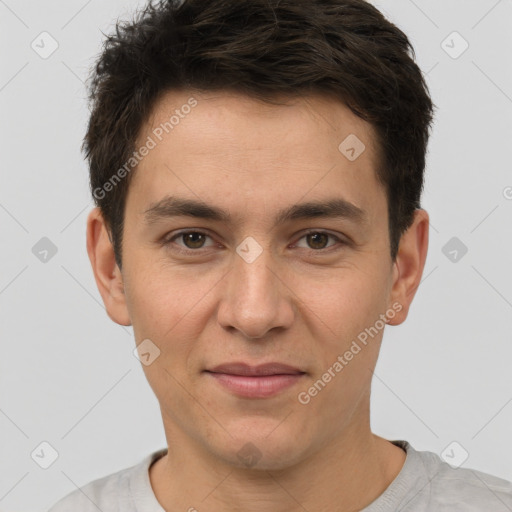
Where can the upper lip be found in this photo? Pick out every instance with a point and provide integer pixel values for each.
(261, 369)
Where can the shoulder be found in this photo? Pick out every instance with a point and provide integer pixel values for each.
(461, 489)
(111, 493)
(103, 493)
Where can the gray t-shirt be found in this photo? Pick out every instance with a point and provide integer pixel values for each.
(425, 484)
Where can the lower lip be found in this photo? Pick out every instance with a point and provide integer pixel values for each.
(256, 387)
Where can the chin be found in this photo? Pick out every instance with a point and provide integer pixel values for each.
(263, 445)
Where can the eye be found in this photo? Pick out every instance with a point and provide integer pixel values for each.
(317, 240)
(193, 240)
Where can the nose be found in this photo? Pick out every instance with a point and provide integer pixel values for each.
(256, 298)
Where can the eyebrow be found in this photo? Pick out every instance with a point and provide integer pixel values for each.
(172, 206)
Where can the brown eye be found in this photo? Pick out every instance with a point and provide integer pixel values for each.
(317, 240)
(187, 242)
(193, 240)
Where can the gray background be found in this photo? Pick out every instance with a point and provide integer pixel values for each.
(67, 372)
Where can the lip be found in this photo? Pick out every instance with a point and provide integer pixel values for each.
(244, 369)
(262, 386)
(262, 381)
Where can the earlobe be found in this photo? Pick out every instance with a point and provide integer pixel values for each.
(106, 272)
(409, 265)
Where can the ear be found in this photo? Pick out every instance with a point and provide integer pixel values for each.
(106, 272)
(409, 264)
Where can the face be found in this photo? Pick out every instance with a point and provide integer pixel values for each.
(254, 276)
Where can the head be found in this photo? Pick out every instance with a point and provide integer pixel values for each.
(253, 109)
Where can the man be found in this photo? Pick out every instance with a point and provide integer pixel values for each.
(257, 168)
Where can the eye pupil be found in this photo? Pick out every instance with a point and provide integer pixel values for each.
(315, 236)
(189, 237)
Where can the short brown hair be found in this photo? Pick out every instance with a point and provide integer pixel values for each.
(264, 49)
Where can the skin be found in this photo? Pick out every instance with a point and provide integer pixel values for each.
(300, 302)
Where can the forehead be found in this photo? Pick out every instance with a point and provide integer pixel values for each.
(203, 119)
(220, 146)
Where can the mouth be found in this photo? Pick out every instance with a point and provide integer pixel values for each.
(260, 381)
(244, 369)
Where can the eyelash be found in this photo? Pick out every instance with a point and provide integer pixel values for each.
(168, 241)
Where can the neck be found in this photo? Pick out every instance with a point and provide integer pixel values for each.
(345, 475)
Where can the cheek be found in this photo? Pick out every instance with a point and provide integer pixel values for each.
(160, 296)
(171, 307)
(341, 303)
